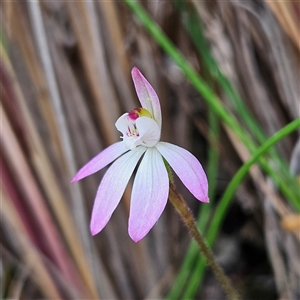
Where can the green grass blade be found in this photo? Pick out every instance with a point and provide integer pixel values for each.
(224, 203)
(192, 255)
(192, 24)
(210, 97)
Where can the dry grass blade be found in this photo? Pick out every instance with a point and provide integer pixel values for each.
(119, 61)
(79, 209)
(22, 172)
(49, 182)
(28, 252)
(87, 31)
(277, 202)
(284, 255)
(17, 284)
(19, 30)
(291, 222)
(65, 80)
(286, 12)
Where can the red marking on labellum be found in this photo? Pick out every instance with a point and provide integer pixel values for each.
(135, 113)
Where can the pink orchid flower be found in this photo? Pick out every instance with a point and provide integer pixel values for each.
(141, 129)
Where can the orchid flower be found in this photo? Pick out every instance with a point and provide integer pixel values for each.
(141, 129)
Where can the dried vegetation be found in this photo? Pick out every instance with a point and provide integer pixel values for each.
(65, 79)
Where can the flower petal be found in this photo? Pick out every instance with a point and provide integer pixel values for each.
(149, 194)
(122, 124)
(149, 131)
(101, 160)
(188, 169)
(146, 95)
(112, 188)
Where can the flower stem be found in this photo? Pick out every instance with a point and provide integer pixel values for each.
(188, 219)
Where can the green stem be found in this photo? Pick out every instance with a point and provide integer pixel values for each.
(188, 219)
(224, 203)
(239, 176)
(193, 25)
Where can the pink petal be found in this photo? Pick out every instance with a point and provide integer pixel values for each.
(112, 188)
(101, 160)
(188, 169)
(146, 95)
(149, 194)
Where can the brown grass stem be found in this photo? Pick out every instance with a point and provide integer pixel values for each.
(189, 221)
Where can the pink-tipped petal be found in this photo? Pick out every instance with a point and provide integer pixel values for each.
(146, 95)
(149, 194)
(101, 160)
(188, 169)
(112, 188)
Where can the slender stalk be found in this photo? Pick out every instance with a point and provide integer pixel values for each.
(225, 201)
(188, 219)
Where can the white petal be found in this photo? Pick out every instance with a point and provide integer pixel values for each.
(188, 169)
(112, 188)
(149, 194)
(122, 124)
(148, 130)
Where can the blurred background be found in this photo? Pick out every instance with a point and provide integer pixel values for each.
(65, 79)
